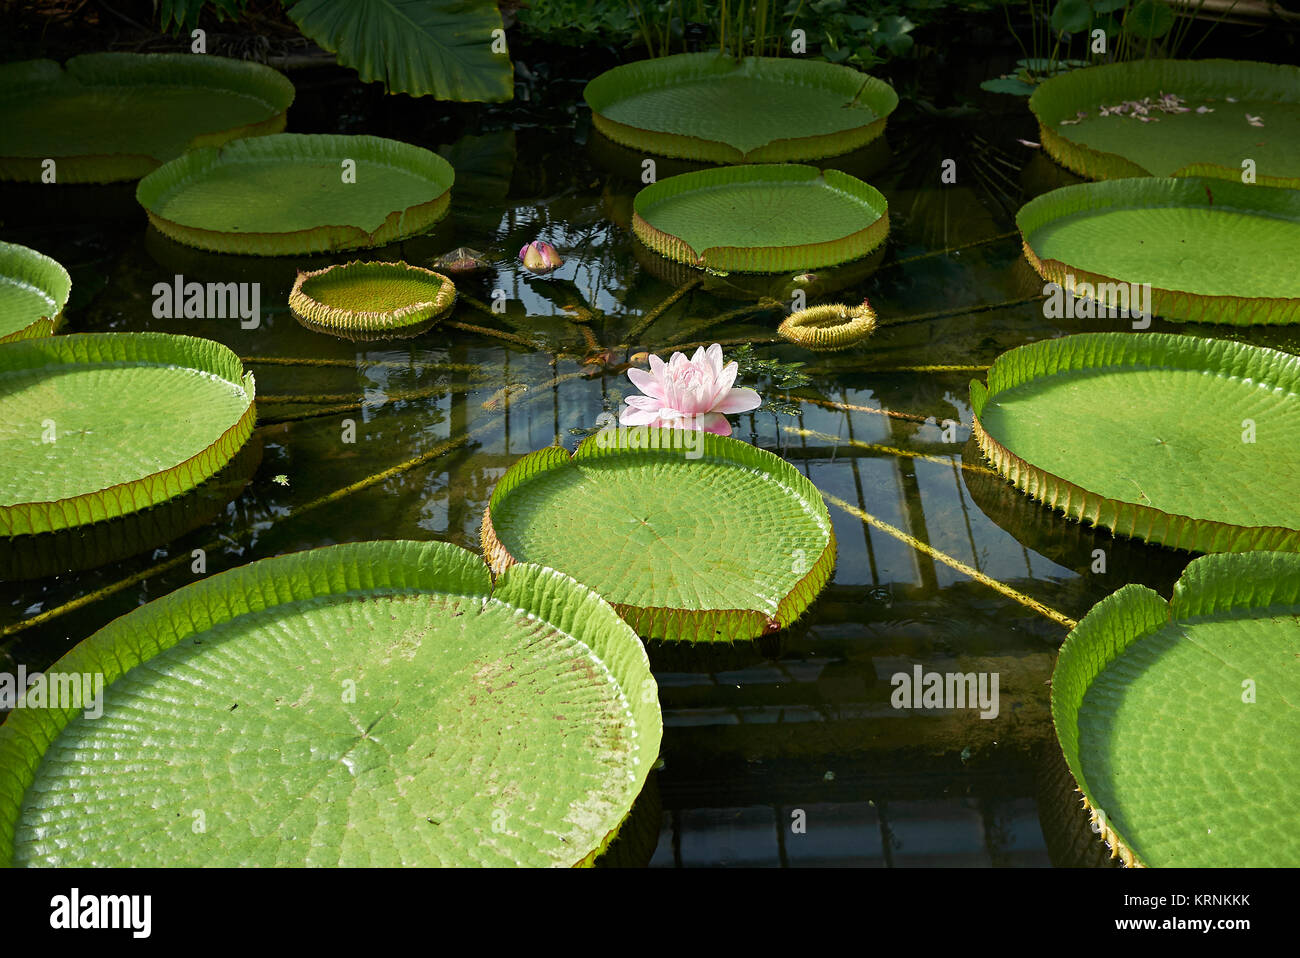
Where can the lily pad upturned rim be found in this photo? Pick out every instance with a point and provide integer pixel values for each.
(762, 259)
(46, 274)
(1154, 350)
(346, 570)
(406, 320)
(116, 69)
(830, 327)
(632, 78)
(288, 148)
(153, 349)
(1223, 583)
(1062, 96)
(677, 624)
(1160, 193)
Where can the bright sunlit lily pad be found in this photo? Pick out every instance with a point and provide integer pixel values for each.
(97, 425)
(105, 117)
(1178, 720)
(705, 106)
(1213, 251)
(691, 536)
(761, 219)
(1175, 440)
(298, 193)
(33, 291)
(368, 704)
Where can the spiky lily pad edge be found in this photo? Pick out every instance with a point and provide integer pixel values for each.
(762, 259)
(1171, 304)
(400, 224)
(1061, 97)
(191, 352)
(165, 69)
(1089, 350)
(673, 624)
(1210, 584)
(829, 328)
(391, 565)
(635, 77)
(46, 274)
(409, 320)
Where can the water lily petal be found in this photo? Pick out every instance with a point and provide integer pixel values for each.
(739, 400)
(637, 417)
(714, 422)
(648, 383)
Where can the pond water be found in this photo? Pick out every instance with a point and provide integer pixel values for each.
(940, 565)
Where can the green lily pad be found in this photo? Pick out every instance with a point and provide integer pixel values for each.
(829, 328)
(298, 193)
(689, 535)
(369, 704)
(761, 219)
(106, 117)
(1178, 720)
(1212, 143)
(1213, 251)
(33, 291)
(97, 425)
(1175, 440)
(704, 106)
(371, 300)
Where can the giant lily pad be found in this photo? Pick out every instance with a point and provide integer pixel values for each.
(33, 291)
(116, 116)
(704, 106)
(376, 703)
(97, 425)
(761, 219)
(1179, 720)
(691, 536)
(1213, 251)
(1212, 138)
(298, 193)
(371, 300)
(1176, 440)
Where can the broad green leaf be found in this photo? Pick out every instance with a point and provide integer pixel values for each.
(33, 291)
(1214, 142)
(369, 704)
(298, 193)
(1175, 440)
(703, 106)
(1179, 721)
(439, 48)
(96, 425)
(116, 116)
(1149, 19)
(370, 300)
(764, 218)
(1071, 16)
(714, 542)
(1012, 85)
(1213, 251)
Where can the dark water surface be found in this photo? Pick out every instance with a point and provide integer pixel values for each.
(758, 737)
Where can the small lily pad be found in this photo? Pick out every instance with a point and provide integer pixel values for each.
(829, 328)
(371, 300)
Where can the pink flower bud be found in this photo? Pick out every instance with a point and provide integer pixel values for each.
(540, 257)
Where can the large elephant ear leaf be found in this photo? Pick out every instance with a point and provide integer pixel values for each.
(439, 48)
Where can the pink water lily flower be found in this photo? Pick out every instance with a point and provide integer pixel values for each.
(540, 257)
(683, 393)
